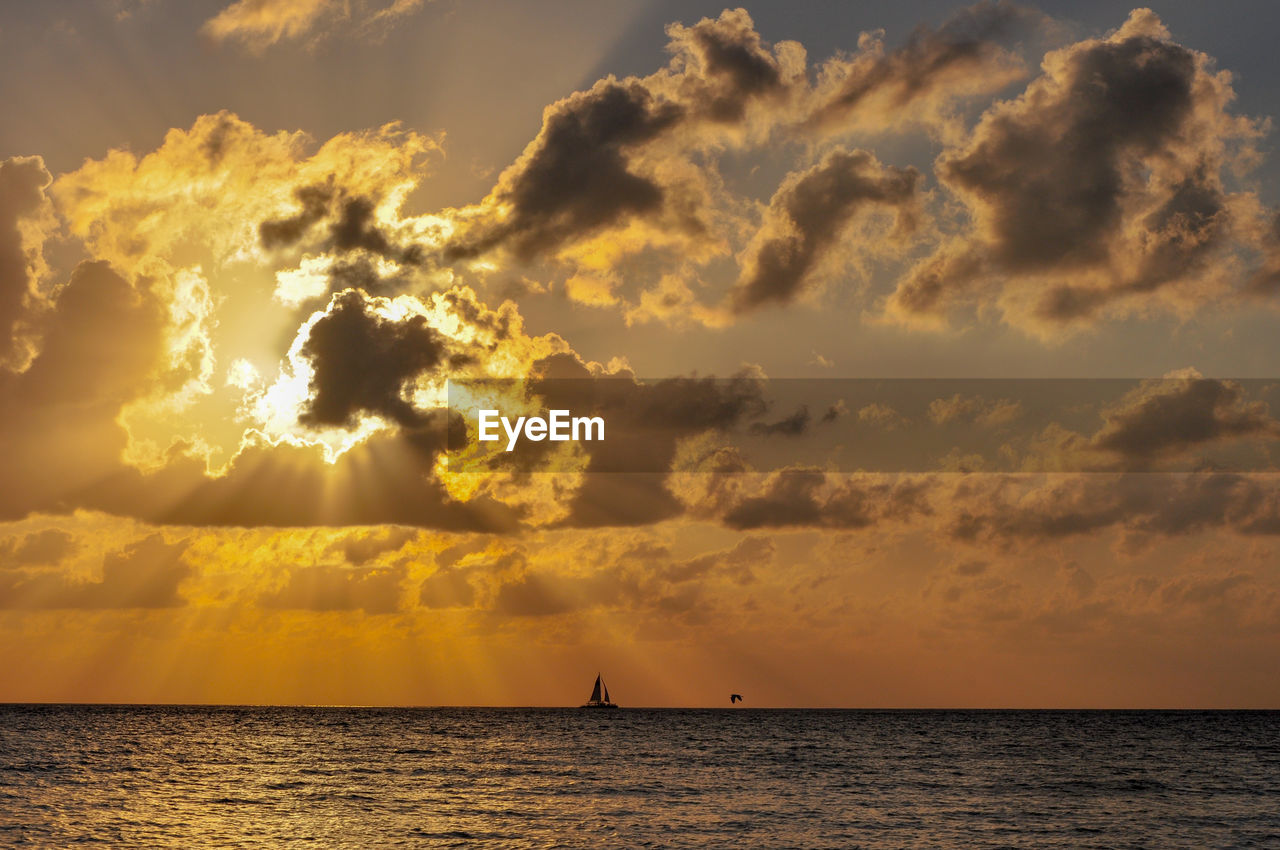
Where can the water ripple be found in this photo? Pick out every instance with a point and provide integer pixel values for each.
(260, 777)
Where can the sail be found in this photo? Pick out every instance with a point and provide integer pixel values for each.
(595, 692)
(606, 693)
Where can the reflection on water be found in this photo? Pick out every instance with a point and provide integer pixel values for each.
(183, 777)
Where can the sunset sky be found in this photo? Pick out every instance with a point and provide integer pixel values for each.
(247, 248)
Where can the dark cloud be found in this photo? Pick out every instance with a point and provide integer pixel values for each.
(1001, 510)
(354, 228)
(351, 225)
(622, 499)
(1057, 513)
(41, 547)
(501, 322)
(1166, 418)
(145, 574)
(1105, 173)
(22, 184)
(361, 547)
(811, 498)
(965, 54)
(738, 563)
(100, 342)
(374, 590)
(61, 444)
(722, 65)
(929, 286)
(359, 272)
(387, 480)
(807, 215)
(788, 426)
(646, 421)
(1008, 509)
(1052, 175)
(1182, 422)
(596, 164)
(466, 546)
(285, 232)
(576, 177)
(366, 363)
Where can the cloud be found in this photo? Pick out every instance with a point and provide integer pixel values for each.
(1003, 509)
(637, 578)
(629, 168)
(352, 226)
(1181, 422)
(799, 497)
(1266, 279)
(99, 344)
(40, 547)
(613, 172)
(834, 411)
(576, 177)
(721, 65)
(145, 574)
(881, 415)
(22, 203)
(807, 215)
(1202, 589)
(625, 475)
(207, 191)
(448, 587)
(363, 362)
(61, 443)
(314, 202)
(341, 433)
(1097, 190)
(185, 219)
(788, 426)
(259, 24)
(361, 547)
(876, 89)
(1168, 417)
(107, 345)
(960, 408)
(374, 590)
(366, 364)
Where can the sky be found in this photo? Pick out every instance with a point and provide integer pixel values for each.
(935, 344)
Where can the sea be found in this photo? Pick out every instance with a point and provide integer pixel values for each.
(197, 776)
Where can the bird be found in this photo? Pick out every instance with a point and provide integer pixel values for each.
(735, 698)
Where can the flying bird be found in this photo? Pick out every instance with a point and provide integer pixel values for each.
(735, 698)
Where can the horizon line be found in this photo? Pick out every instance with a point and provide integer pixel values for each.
(559, 706)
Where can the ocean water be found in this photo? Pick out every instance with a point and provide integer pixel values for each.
(161, 776)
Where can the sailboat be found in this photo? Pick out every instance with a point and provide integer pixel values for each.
(600, 695)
